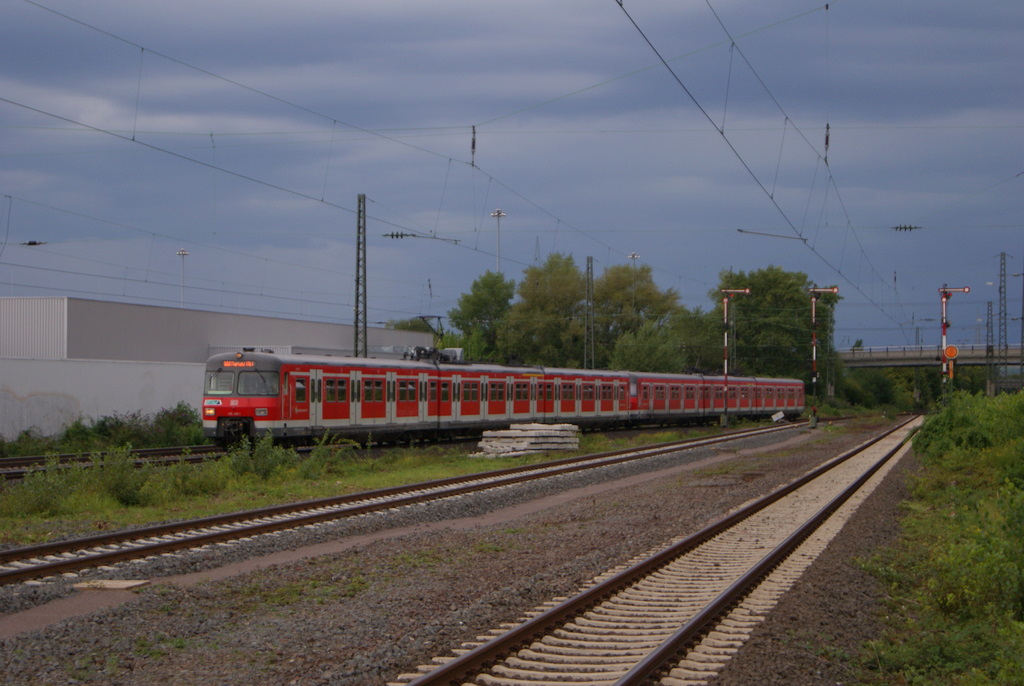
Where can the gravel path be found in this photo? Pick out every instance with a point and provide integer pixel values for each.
(372, 600)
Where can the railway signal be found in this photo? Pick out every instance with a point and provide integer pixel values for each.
(728, 293)
(947, 361)
(815, 294)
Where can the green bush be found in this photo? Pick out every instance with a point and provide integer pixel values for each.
(43, 492)
(957, 577)
(180, 425)
(262, 458)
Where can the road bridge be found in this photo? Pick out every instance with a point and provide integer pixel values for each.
(922, 356)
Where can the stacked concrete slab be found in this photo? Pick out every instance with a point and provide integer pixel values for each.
(524, 439)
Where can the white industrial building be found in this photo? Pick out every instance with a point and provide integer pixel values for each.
(68, 358)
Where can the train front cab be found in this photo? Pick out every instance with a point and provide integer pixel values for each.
(242, 396)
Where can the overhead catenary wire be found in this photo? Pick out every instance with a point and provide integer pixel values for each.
(743, 162)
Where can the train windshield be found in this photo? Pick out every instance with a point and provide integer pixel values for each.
(257, 383)
(220, 382)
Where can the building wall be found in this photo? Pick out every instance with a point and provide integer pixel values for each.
(47, 395)
(67, 358)
(33, 328)
(116, 331)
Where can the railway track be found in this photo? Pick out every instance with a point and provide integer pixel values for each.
(674, 617)
(67, 557)
(14, 468)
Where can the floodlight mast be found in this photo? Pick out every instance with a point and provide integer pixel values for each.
(947, 365)
(728, 293)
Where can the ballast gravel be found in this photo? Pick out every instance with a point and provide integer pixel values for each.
(363, 615)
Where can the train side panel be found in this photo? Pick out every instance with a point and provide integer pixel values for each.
(299, 398)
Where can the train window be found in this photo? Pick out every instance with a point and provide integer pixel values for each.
(373, 390)
(745, 393)
(406, 390)
(568, 391)
(522, 390)
(446, 391)
(549, 391)
(645, 393)
(588, 391)
(607, 392)
(691, 392)
(496, 391)
(719, 393)
(471, 391)
(335, 390)
(300, 389)
(257, 383)
(659, 392)
(676, 392)
(220, 382)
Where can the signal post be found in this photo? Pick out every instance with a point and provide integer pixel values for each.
(948, 352)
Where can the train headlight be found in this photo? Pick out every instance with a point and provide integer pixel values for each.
(209, 411)
(261, 412)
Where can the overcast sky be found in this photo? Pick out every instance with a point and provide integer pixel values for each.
(690, 135)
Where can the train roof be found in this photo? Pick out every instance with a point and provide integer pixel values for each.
(272, 360)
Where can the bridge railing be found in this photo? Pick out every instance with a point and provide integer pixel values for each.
(923, 355)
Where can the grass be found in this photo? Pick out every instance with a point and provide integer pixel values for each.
(956, 578)
(73, 501)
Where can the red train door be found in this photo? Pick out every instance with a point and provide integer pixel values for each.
(373, 398)
(296, 396)
(303, 397)
(439, 398)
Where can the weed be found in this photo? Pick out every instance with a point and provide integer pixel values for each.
(956, 578)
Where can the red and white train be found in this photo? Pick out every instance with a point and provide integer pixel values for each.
(300, 397)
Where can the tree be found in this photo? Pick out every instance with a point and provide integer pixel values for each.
(773, 323)
(481, 312)
(545, 324)
(686, 341)
(413, 324)
(626, 301)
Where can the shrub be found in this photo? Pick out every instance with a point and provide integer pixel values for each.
(261, 459)
(120, 478)
(42, 492)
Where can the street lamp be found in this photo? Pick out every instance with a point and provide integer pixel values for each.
(498, 214)
(728, 293)
(182, 254)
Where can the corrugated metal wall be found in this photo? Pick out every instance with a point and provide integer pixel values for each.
(34, 328)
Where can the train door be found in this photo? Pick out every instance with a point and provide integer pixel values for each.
(296, 396)
(373, 405)
(335, 396)
(546, 397)
(440, 400)
(587, 398)
(403, 393)
(303, 397)
(497, 397)
(469, 402)
(567, 398)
